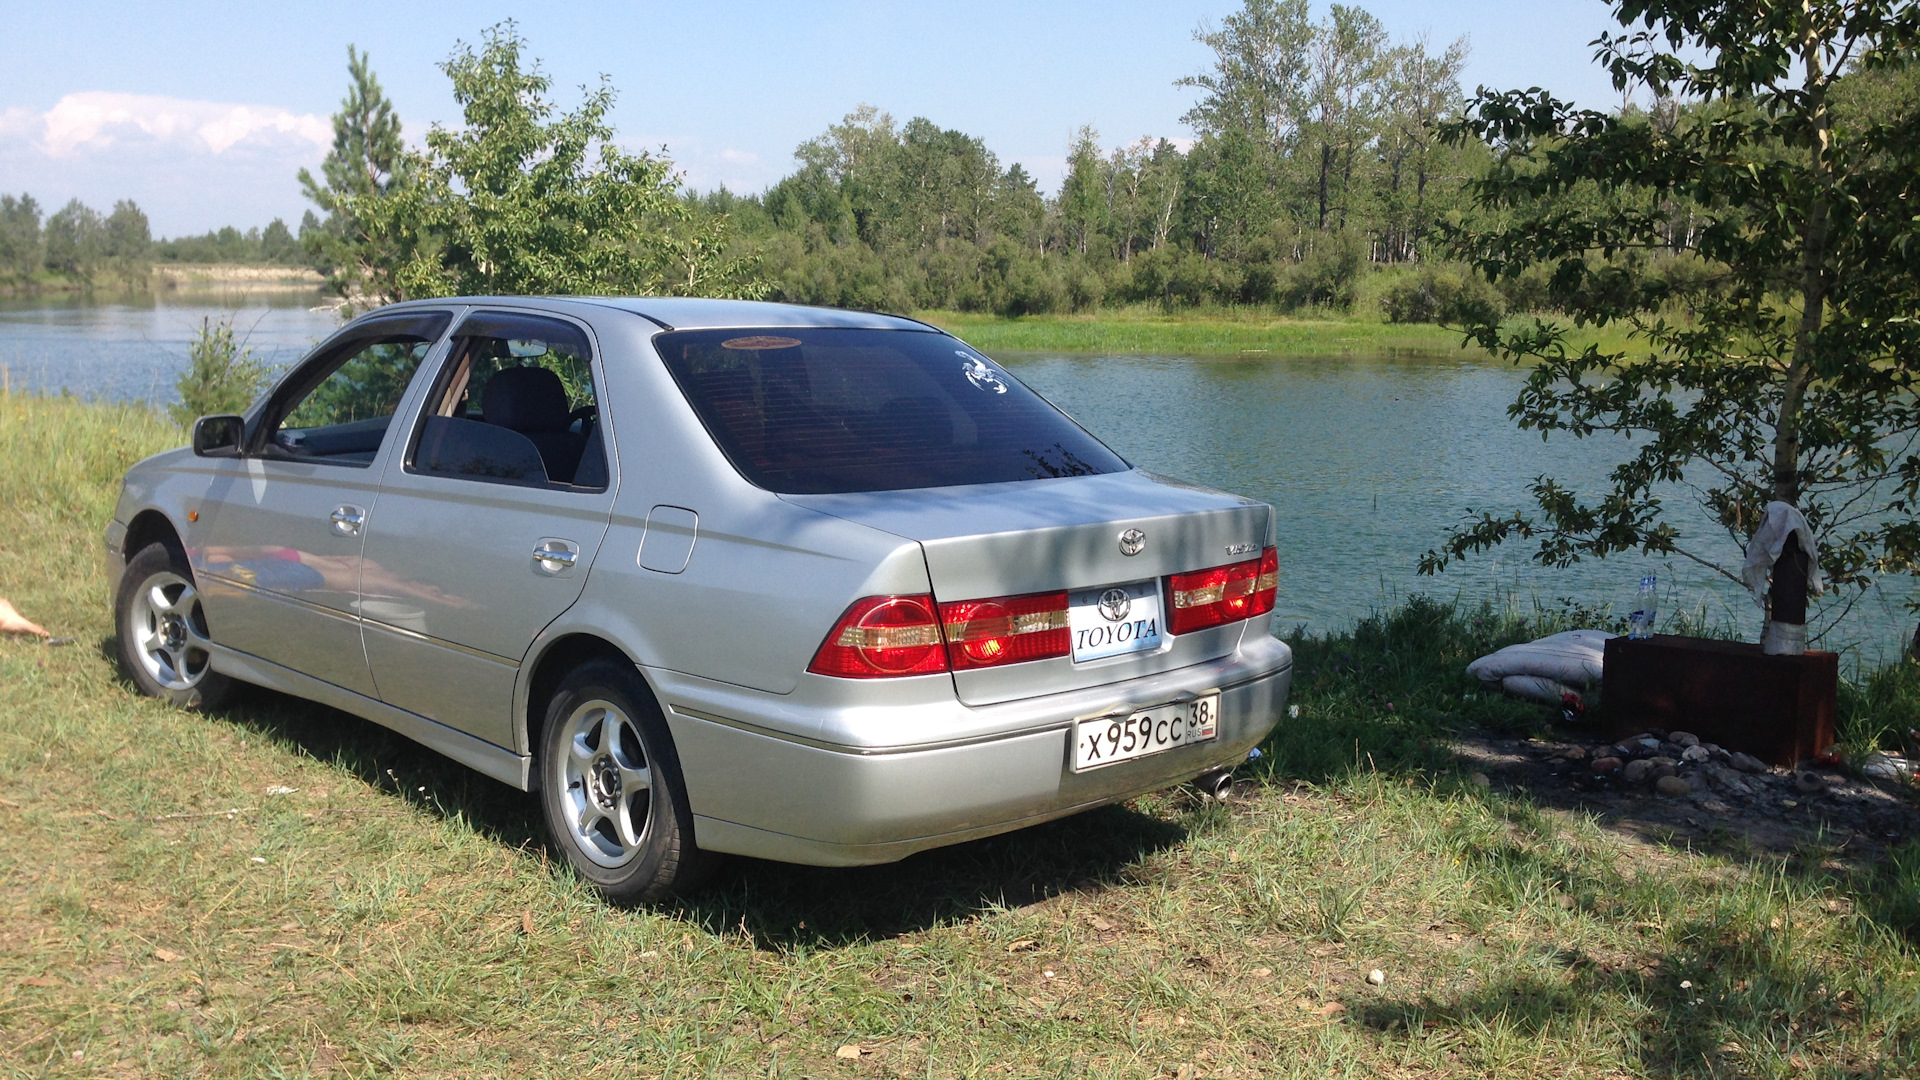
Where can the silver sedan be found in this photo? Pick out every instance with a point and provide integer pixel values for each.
(708, 576)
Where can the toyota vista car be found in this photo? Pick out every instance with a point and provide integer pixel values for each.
(708, 576)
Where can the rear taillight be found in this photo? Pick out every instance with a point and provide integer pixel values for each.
(1223, 594)
(1006, 630)
(881, 637)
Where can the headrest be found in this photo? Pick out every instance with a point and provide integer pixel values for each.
(526, 399)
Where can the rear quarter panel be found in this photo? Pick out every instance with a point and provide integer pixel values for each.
(766, 580)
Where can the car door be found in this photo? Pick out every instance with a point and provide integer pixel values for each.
(488, 520)
(279, 536)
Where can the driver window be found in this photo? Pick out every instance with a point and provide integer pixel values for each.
(350, 397)
(515, 404)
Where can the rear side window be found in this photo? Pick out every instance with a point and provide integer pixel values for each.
(813, 412)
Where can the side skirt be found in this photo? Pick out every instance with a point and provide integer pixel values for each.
(477, 754)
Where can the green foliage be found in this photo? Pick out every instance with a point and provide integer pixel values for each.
(222, 375)
(367, 161)
(75, 240)
(1443, 293)
(274, 245)
(1753, 234)
(367, 386)
(522, 199)
(20, 253)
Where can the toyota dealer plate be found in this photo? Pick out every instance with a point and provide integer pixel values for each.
(1112, 740)
(1115, 620)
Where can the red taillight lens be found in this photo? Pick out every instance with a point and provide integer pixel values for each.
(881, 637)
(1006, 630)
(1223, 594)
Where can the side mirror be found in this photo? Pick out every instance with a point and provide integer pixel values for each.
(219, 436)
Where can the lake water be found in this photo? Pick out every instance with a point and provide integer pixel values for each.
(1369, 459)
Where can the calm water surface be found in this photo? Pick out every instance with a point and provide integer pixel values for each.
(1369, 459)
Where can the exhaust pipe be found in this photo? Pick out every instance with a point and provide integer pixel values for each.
(1216, 785)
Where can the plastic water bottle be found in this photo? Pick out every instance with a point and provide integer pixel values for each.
(1640, 623)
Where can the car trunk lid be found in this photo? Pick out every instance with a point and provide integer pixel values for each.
(996, 540)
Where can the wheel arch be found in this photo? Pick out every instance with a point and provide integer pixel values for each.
(152, 526)
(555, 659)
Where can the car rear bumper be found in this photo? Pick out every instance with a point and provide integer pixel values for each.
(772, 794)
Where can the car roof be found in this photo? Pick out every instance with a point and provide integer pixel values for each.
(696, 313)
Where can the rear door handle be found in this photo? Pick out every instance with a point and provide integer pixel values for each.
(554, 555)
(347, 520)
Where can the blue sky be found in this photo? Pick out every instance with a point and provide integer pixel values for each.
(202, 110)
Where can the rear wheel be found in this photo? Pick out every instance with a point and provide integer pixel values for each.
(611, 788)
(164, 642)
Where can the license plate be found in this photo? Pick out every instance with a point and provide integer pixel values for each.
(1114, 620)
(1097, 743)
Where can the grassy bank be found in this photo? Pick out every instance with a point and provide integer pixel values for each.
(1153, 330)
(162, 276)
(280, 889)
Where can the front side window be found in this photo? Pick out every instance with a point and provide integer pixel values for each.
(339, 410)
(515, 404)
(816, 411)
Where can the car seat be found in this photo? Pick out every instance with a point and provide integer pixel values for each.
(532, 401)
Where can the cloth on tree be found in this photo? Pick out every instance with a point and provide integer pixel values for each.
(1782, 520)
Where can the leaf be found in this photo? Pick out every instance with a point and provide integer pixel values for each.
(165, 956)
(1023, 945)
(1331, 1008)
(850, 1052)
(526, 921)
(1100, 924)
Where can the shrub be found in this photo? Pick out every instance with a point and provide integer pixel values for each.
(223, 375)
(1326, 276)
(1442, 294)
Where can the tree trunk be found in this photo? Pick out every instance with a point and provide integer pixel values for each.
(1787, 599)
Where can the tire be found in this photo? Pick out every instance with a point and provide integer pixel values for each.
(165, 646)
(612, 791)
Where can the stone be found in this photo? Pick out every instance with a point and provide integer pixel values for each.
(1636, 771)
(1746, 763)
(1807, 783)
(1376, 977)
(1711, 805)
(1575, 753)
(1603, 766)
(1672, 785)
(1480, 781)
(1719, 752)
(1671, 749)
(1696, 754)
(1726, 780)
(1663, 760)
(1659, 771)
(1684, 738)
(1648, 743)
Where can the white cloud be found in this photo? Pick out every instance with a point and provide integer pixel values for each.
(192, 165)
(97, 119)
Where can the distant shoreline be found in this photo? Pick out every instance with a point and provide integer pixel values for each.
(1255, 334)
(165, 277)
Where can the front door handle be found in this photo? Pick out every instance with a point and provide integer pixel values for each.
(347, 520)
(554, 555)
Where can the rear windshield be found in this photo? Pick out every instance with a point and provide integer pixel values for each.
(813, 412)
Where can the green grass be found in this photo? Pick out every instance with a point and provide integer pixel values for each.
(164, 912)
(1252, 332)
(1154, 330)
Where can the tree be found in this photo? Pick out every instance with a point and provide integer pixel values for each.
(75, 240)
(1772, 358)
(20, 253)
(366, 163)
(522, 200)
(222, 374)
(128, 240)
(1258, 82)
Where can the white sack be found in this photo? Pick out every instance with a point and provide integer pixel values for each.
(1537, 688)
(1782, 520)
(1573, 657)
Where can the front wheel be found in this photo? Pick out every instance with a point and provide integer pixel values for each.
(164, 644)
(611, 788)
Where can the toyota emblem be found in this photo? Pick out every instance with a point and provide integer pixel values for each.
(1133, 542)
(1115, 604)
